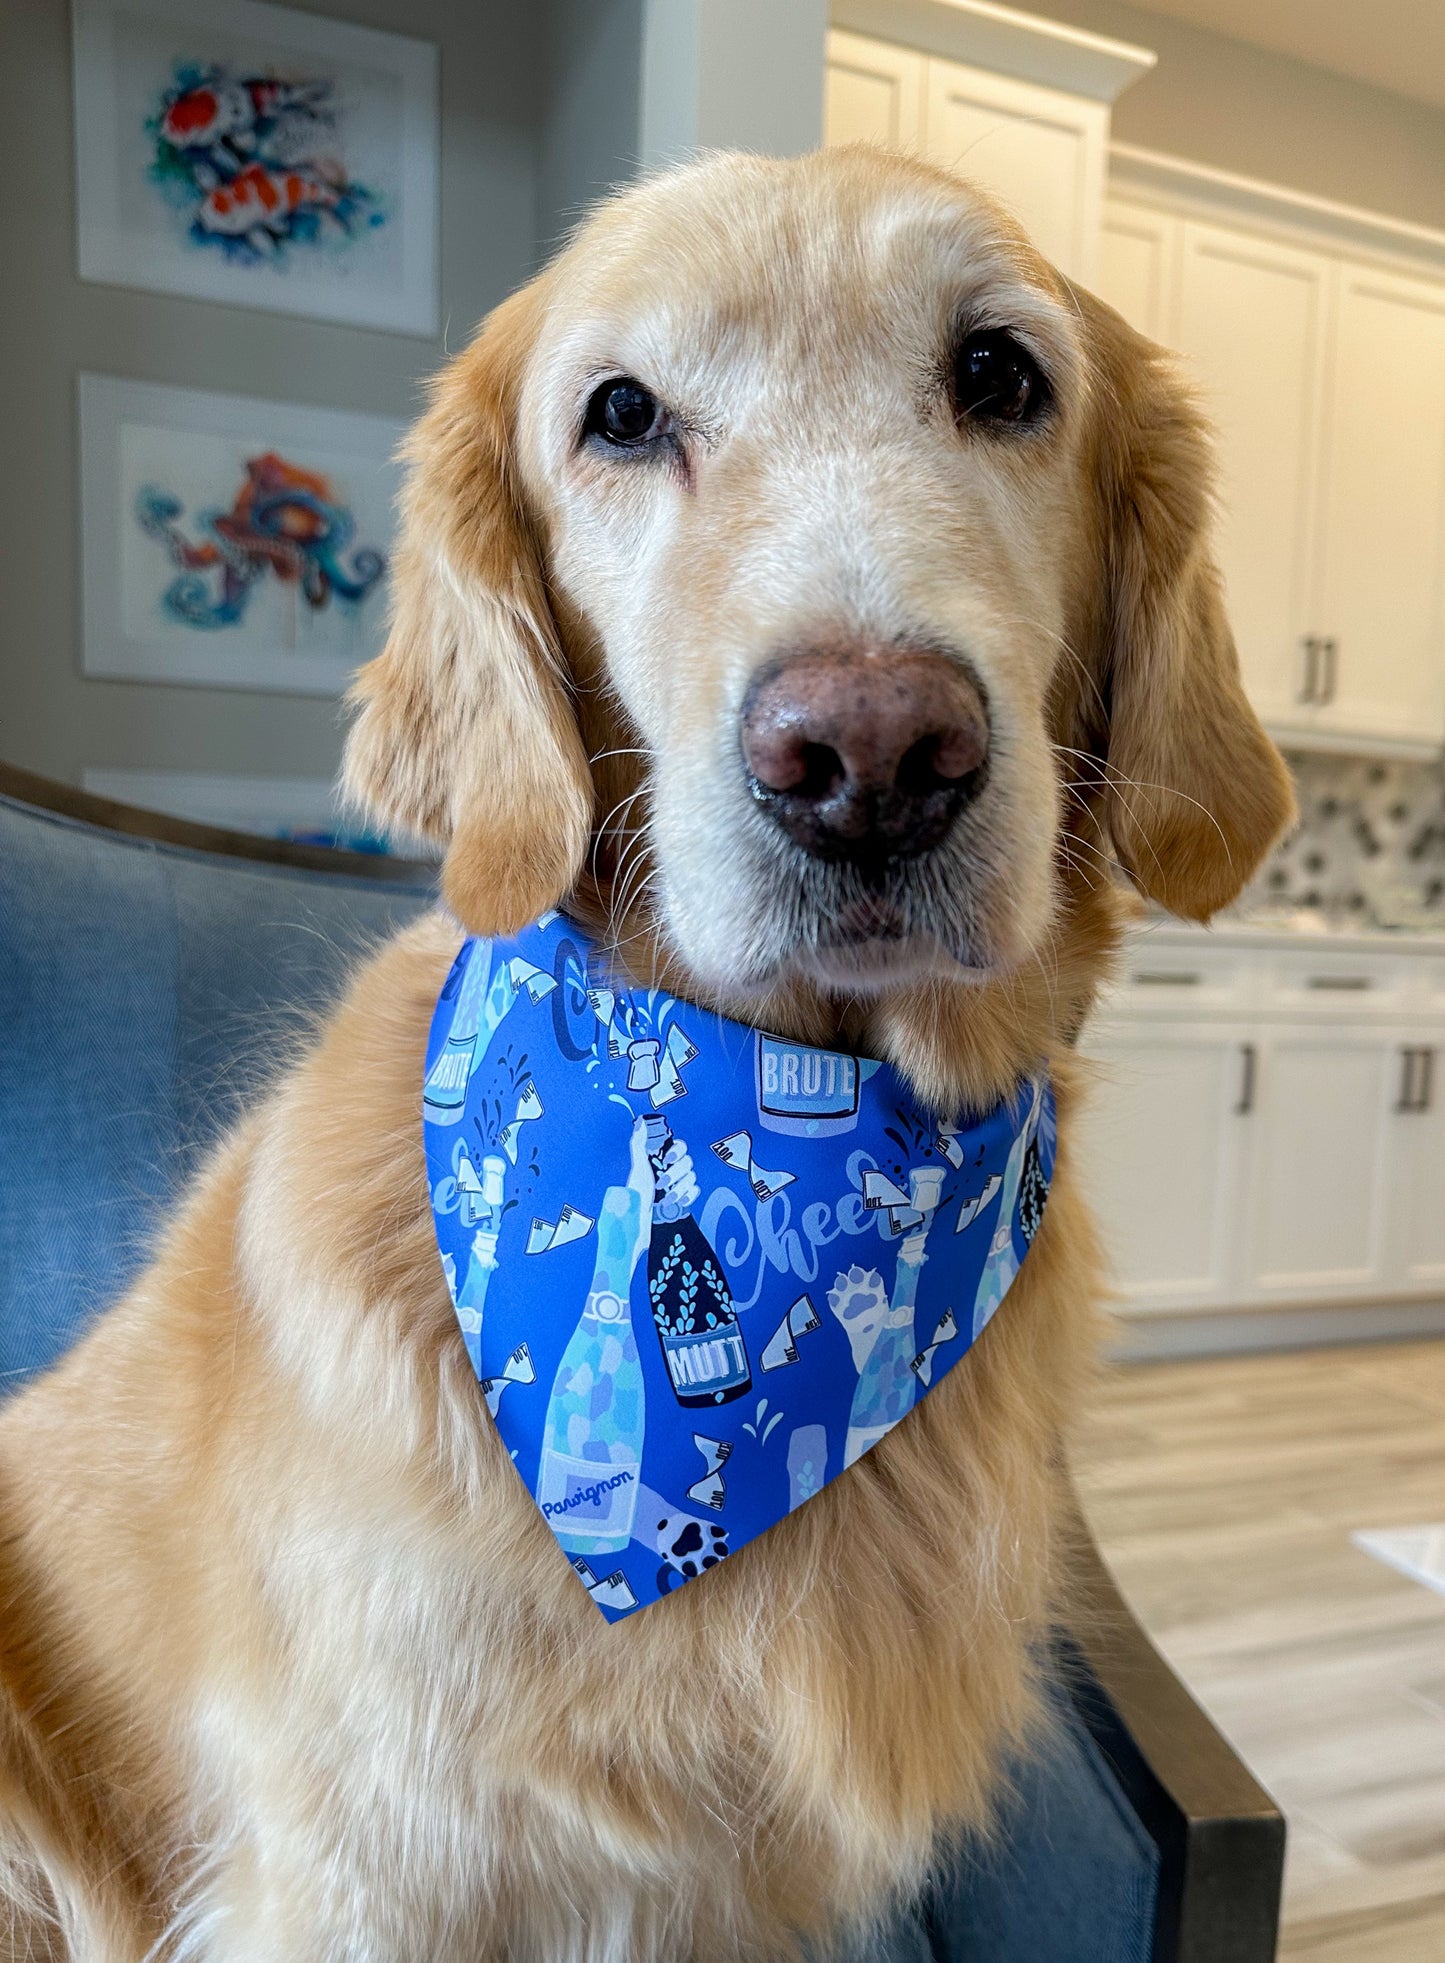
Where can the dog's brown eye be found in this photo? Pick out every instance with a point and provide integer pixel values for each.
(997, 380)
(623, 412)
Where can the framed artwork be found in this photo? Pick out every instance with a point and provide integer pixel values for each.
(304, 810)
(230, 150)
(230, 542)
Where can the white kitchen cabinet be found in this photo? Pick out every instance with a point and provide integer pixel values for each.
(1136, 266)
(1024, 114)
(1381, 548)
(1250, 316)
(1321, 1151)
(1321, 363)
(1040, 151)
(873, 92)
(1417, 1200)
(1162, 1159)
(1266, 1124)
(1192, 285)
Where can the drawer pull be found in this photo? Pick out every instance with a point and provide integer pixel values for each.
(1331, 651)
(1352, 983)
(1310, 688)
(1249, 1059)
(1322, 670)
(1417, 1082)
(1167, 978)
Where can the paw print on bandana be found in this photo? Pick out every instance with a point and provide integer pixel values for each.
(859, 1299)
(689, 1546)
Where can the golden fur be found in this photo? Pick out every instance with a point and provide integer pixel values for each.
(290, 1666)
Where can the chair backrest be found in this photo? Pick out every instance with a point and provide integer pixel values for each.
(149, 984)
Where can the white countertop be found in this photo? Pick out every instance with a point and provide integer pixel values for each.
(1300, 932)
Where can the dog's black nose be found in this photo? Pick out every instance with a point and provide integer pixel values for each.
(865, 754)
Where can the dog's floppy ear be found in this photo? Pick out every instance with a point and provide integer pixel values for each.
(465, 733)
(1195, 793)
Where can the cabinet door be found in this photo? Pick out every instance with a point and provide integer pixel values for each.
(1250, 321)
(1320, 1173)
(873, 92)
(1040, 151)
(1163, 1140)
(1136, 266)
(1417, 1195)
(1382, 535)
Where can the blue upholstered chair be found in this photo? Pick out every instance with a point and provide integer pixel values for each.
(151, 972)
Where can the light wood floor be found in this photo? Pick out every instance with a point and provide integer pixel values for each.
(1223, 1494)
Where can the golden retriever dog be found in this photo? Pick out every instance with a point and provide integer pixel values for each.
(810, 590)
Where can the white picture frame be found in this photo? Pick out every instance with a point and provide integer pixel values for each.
(231, 542)
(302, 810)
(303, 178)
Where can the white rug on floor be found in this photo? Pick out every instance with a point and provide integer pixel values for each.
(1418, 1552)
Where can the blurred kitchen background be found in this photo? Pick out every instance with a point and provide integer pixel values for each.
(1258, 184)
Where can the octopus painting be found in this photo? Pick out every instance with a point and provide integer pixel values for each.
(284, 521)
(254, 162)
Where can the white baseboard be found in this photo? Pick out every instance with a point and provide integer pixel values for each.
(1236, 1332)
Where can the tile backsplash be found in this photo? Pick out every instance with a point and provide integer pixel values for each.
(1369, 849)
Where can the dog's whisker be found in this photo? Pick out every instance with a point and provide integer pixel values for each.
(1116, 778)
(1117, 782)
(622, 751)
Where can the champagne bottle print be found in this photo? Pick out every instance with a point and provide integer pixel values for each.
(886, 1383)
(445, 1093)
(692, 1305)
(587, 1476)
(479, 1014)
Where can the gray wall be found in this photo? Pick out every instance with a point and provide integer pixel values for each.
(542, 108)
(1241, 108)
(741, 73)
(52, 325)
(590, 108)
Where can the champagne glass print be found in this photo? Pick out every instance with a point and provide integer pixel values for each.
(471, 1297)
(587, 1478)
(887, 1385)
(1002, 1263)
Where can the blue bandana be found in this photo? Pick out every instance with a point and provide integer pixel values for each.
(699, 1269)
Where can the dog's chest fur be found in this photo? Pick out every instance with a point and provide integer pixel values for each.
(448, 1731)
(380, 1704)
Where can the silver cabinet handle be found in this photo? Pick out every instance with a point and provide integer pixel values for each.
(1322, 669)
(1166, 978)
(1249, 1058)
(1331, 650)
(1310, 690)
(1417, 1080)
(1339, 982)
